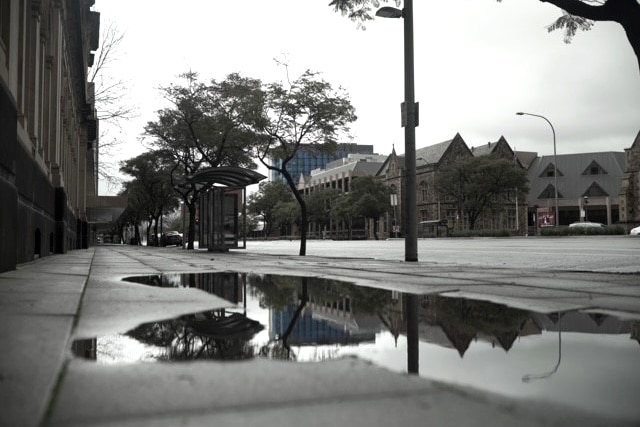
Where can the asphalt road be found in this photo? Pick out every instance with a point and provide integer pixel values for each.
(618, 254)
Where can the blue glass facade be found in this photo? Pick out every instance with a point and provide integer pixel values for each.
(309, 157)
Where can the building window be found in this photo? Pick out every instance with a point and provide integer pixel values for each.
(595, 190)
(423, 191)
(549, 171)
(594, 169)
(549, 193)
(424, 215)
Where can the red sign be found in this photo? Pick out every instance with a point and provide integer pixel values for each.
(546, 217)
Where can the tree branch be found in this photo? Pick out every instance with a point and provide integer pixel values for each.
(610, 10)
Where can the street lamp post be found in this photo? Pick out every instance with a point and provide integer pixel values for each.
(555, 161)
(409, 121)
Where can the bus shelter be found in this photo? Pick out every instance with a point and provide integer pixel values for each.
(222, 208)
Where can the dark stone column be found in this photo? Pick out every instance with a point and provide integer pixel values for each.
(60, 206)
(8, 191)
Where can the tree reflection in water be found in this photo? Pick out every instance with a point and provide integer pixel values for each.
(208, 335)
(318, 317)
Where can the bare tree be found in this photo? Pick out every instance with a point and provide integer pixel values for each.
(110, 99)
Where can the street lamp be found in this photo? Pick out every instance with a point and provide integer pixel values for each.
(555, 161)
(409, 121)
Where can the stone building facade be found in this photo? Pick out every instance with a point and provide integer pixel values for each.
(48, 129)
(433, 210)
(630, 186)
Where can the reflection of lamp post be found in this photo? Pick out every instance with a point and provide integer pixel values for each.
(413, 359)
(409, 121)
(555, 161)
(529, 377)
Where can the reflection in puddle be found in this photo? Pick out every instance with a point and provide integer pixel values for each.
(585, 360)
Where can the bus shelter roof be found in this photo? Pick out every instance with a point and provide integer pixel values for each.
(230, 176)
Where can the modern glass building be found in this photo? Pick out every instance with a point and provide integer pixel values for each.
(310, 157)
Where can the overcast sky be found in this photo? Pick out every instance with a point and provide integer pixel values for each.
(477, 62)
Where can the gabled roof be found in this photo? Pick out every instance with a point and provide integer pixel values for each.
(572, 184)
(433, 153)
(526, 158)
(488, 148)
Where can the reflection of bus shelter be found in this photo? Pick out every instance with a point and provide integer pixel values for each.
(221, 205)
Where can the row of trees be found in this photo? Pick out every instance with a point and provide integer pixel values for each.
(274, 203)
(474, 186)
(230, 123)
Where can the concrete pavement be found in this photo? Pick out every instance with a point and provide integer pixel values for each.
(46, 304)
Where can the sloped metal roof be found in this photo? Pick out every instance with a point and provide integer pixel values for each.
(230, 176)
(573, 183)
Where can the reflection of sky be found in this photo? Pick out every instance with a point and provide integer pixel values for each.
(597, 372)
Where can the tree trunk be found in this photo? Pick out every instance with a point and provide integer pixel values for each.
(137, 235)
(375, 228)
(192, 224)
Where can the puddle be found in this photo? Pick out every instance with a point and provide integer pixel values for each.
(583, 360)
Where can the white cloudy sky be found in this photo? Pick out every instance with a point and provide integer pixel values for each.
(477, 62)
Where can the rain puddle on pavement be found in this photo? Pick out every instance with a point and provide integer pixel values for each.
(583, 360)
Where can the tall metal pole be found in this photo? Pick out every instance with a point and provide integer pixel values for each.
(409, 121)
(555, 162)
(411, 238)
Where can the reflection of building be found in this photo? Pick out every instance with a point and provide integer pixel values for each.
(325, 322)
(457, 323)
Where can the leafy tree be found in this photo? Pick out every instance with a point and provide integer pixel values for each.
(308, 111)
(478, 184)
(321, 204)
(577, 15)
(370, 199)
(286, 215)
(343, 211)
(136, 206)
(264, 201)
(151, 171)
(206, 125)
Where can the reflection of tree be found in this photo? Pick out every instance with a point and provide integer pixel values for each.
(462, 320)
(208, 335)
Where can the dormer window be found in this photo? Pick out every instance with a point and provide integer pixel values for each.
(595, 190)
(594, 169)
(549, 193)
(549, 171)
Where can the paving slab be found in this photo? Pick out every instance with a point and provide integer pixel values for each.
(41, 313)
(283, 393)
(34, 348)
(114, 306)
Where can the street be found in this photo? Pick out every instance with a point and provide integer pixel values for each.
(616, 254)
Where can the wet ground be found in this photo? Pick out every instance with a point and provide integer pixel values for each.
(584, 360)
(506, 344)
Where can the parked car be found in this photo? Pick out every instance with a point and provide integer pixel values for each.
(586, 224)
(171, 238)
(635, 231)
